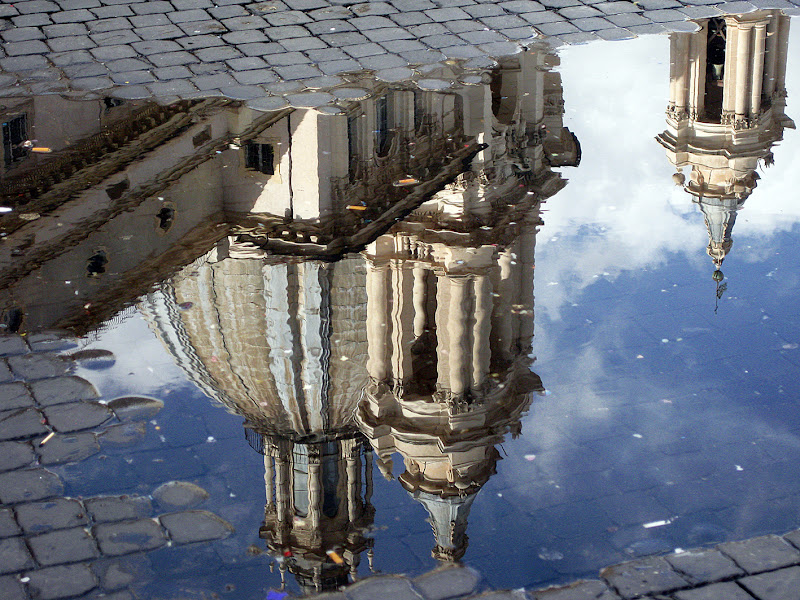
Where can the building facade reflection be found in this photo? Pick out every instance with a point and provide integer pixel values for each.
(426, 335)
(450, 308)
(725, 112)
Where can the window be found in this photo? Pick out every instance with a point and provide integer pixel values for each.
(260, 157)
(15, 132)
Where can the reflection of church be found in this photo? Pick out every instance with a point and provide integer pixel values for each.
(427, 335)
(450, 308)
(726, 111)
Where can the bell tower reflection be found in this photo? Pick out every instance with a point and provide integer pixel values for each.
(725, 112)
(450, 305)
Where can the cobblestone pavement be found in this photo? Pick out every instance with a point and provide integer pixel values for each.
(300, 52)
(761, 568)
(56, 546)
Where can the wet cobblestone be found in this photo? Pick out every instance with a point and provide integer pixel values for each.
(143, 49)
(55, 546)
(719, 573)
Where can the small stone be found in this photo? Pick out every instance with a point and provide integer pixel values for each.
(37, 366)
(5, 372)
(14, 556)
(763, 553)
(353, 94)
(54, 340)
(396, 588)
(59, 513)
(644, 576)
(393, 75)
(126, 537)
(580, 590)
(118, 508)
(94, 359)
(447, 582)
(29, 485)
(14, 395)
(179, 494)
(14, 455)
(12, 588)
(783, 584)
(21, 423)
(195, 526)
(63, 546)
(8, 525)
(432, 85)
(717, 591)
(61, 582)
(267, 104)
(134, 408)
(309, 100)
(66, 418)
(12, 344)
(68, 448)
(704, 566)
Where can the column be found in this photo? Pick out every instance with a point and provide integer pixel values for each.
(698, 50)
(502, 317)
(314, 489)
(481, 352)
(771, 58)
(757, 75)
(457, 322)
(281, 487)
(442, 331)
(368, 476)
(420, 301)
(268, 479)
(743, 71)
(782, 54)
(377, 321)
(402, 321)
(729, 76)
(673, 68)
(682, 71)
(353, 487)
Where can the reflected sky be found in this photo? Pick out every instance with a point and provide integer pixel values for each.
(666, 416)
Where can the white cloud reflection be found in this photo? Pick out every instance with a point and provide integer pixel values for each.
(620, 210)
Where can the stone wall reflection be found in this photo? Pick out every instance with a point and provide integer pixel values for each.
(725, 112)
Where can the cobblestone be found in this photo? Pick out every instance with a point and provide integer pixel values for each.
(63, 546)
(118, 508)
(61, 581)
(112, 30)
(126, 537)
(59, 513)
(761, 553)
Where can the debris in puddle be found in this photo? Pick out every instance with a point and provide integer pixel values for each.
(546, 554)
(652, 524)
(335, 557)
